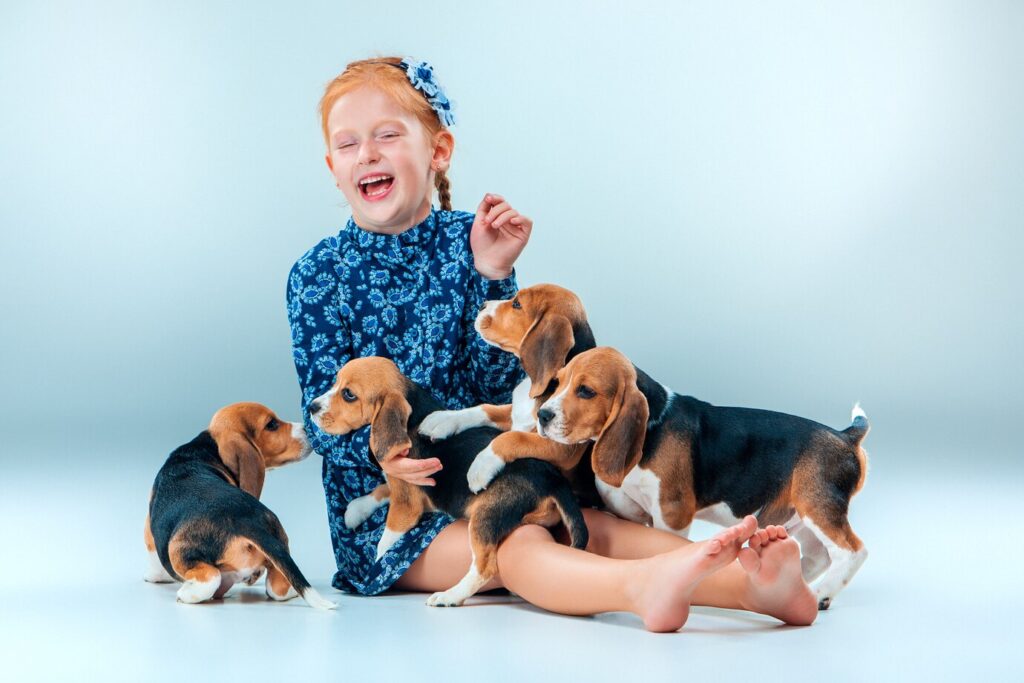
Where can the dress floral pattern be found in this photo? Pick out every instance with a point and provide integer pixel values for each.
(410, 297)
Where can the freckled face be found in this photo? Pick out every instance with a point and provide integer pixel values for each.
(380, 156)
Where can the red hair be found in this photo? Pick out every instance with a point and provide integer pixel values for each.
(382, 74)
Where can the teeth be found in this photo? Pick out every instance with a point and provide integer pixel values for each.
(373, 179)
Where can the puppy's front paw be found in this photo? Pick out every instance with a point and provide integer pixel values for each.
(192, 592)
(361, 509)
(441, 424)
(387, 540)
(484, 469)
(157, 577)
(254, 577)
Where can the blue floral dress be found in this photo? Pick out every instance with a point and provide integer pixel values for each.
(410, 297)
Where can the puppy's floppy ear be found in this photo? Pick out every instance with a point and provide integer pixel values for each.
(241, 457)
(543, 350)
(389, 429)
(621, 442)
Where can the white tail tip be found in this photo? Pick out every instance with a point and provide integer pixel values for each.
(314, 599)
(857, 412)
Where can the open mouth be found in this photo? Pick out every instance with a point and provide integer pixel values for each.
(376, 186)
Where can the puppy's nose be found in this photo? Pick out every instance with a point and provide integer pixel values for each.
(482, 307)
(314, 408)
(545, 416)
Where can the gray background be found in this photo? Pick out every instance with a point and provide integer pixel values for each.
(785, 205)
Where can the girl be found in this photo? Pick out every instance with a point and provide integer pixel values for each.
(404, 280)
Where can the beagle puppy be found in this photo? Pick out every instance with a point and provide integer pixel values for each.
(663, 459)
(542, 326)
(372, 391)
(206, 526)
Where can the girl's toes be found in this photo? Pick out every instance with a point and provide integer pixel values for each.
(749, 560)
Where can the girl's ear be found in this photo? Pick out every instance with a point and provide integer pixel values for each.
(330, 164)
(444, 145)
(621, 442)
(389, 428)
(240, 456)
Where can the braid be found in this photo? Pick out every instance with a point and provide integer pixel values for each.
(444, 190)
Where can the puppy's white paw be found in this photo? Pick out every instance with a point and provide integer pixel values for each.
(157, 577)
(288, 594)
(388, 539)
(484, 469)
(254, 577)
(443, 423)
(361, 509)
(156, 573)
(192, 592)
(447, 598)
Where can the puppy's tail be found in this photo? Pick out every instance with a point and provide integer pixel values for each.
(855, 434)
(859, 427)
(572, 516)
(277, 552)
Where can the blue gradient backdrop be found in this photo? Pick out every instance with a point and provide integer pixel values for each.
(789, 205)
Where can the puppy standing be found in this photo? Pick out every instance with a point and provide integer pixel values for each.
(663, 458)
(205, 525)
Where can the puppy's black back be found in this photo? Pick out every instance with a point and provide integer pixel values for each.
(744, 456)
(194, 497)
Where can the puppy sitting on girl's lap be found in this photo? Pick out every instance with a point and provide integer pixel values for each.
(404, 280)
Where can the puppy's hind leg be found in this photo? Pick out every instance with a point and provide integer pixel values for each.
(482, 569)
(277, 585)
(201, 583)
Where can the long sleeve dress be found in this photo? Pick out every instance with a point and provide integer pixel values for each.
(413, 298)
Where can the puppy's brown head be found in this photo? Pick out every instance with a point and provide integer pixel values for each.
(598, 399)
(368, 391)
(251, 439)
(540, 325)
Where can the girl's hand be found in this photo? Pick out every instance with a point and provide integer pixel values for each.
(497, 237)
(411, 470)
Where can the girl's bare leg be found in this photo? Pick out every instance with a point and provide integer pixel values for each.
(562, 579)
(769, 580)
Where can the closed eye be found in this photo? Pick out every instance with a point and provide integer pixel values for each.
(516, 305)
(583, 391)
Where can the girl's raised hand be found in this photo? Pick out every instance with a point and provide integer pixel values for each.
(497, 237)
(411, 470)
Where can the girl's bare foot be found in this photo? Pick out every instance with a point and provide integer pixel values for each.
(664, 583)
(777, 586)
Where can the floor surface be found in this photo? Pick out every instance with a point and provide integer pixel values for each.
(936, 599)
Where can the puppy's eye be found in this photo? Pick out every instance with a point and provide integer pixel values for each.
(583, 391)
(516, 305)
(348, 395)
(273, 425)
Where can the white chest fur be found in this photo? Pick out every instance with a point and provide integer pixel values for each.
(522, 408)
(637, 498)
